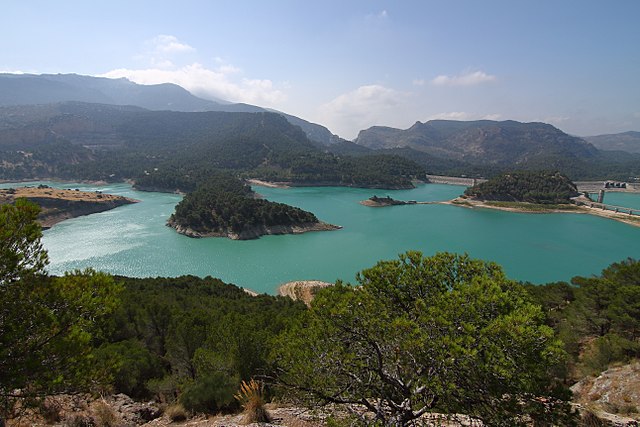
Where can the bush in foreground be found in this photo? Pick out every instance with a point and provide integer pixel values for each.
(445, 334)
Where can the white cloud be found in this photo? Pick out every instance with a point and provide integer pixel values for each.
(224, 82)
(419, 82)
(169, 44)
(462, 115)
(383, 14)
(165, 59)
(467, 79)
(359, 109)
(556, 120)
(163, 50)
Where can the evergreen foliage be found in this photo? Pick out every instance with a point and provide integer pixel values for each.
(224, 203)
(444, 334)
(192, 339)
(526, 186)
(48, 325)
(598, 318)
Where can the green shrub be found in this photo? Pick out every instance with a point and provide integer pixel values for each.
(210, 393)
(133, 366)
(602, 351)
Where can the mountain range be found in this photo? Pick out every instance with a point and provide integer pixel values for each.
(94, 113)
(504, 143)
(625, 141)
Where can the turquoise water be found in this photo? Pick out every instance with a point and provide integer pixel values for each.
(134, 241)
(627, 200)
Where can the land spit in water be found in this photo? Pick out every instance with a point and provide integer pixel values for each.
(579, 205)
(57, 205)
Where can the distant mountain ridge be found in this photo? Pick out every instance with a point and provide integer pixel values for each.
(172, 150)
(625, 141)
(31, 89)
(484, 141)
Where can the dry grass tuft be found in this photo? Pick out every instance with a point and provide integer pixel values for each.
(104, 415)
(176, 412)
(590, 419)
(251, 398)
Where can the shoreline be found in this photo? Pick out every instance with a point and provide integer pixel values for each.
(57, 180)
(633, 220)
(256, 231)
(57, 205)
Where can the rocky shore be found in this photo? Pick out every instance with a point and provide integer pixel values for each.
(256, 231)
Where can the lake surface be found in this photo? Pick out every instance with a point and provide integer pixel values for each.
(133, 240)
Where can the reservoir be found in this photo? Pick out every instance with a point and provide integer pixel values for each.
(133, 240)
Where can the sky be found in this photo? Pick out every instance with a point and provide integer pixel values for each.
(349, 65)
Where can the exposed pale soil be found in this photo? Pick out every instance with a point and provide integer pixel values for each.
(302, 290)
(57, 205)
(614, 395)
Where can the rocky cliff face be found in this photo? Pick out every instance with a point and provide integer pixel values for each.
(613, 396)
(484, 141)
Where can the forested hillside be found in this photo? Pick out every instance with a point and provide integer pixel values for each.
(625, 141)
(102, 142)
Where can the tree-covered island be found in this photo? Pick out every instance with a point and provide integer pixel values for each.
(224, 206)
(538, 187)
(539, 192)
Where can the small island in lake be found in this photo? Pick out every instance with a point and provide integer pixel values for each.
(378, 202)
(224, 206)
(57, 205)
(536, 187)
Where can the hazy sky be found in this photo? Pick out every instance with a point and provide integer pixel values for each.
(352, 64)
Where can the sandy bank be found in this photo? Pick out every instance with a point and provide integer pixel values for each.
(58, 205)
